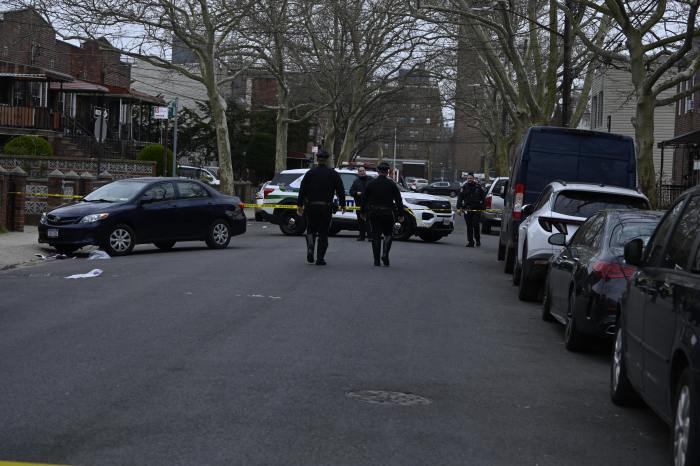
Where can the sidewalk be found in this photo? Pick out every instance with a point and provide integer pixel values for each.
(19, 248)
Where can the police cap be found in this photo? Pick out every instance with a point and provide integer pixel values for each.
(322, 154)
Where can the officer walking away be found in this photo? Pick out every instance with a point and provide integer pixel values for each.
(357, 190)
(315, 203)
(471, 201)
(381, 202)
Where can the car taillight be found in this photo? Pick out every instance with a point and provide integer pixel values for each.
(547, 224)
(487, 203)
(518, 202)
(610, 270)
(266, 192)
(241, 205)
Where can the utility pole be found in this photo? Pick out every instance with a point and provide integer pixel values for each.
(566, 75)
(394, 175)
(175, 138)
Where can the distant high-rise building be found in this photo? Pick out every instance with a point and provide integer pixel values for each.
(181, 53)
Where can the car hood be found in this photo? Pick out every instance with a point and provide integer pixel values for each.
(81, 209)
(423, 197)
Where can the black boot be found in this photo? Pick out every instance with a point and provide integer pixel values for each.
(310, 246)
(386, 247)
(322, 247)
(376, 250)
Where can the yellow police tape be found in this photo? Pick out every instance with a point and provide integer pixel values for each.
(18, 463)
(66, 196)
(348, 208)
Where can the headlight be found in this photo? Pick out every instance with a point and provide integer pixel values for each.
(43, 218)
(93, 218)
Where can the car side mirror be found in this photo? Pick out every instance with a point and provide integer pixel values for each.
(146, 199)
(557, 239)
(634, 251)
(528, 209)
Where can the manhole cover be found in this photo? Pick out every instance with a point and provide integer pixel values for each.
(382, 397)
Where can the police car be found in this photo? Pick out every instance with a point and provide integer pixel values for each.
(428, 217)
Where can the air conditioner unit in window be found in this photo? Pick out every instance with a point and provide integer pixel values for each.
(691, 104)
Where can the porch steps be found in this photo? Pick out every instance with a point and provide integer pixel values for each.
(64, 147)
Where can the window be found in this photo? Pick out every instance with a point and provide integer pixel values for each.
(689, 101)
(5, 51)
(348, 180)
(684, 237)
(189, 190)
(588, 203)
(625, 232)
(413, 119)
(284, 178)
(161, 192)
(427, 121)
(601, 107)
(594, 111)
(658, 241)
(544, 198)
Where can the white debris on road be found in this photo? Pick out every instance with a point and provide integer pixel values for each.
(90, 274)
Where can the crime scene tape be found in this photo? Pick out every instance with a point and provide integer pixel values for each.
(65, 196)
(349, 208)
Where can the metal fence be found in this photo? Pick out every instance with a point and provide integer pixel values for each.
(668, 193)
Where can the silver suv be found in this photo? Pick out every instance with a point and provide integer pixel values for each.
(494, 201)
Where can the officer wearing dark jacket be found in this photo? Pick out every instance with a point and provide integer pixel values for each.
(357, 191)
(471, 201)
(315, 203)
(381, 202)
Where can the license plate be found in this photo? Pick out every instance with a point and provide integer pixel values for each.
(52, 233)
(446, 221)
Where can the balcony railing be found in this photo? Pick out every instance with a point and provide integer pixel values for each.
(30, 117)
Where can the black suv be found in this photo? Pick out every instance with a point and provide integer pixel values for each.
(657, 350)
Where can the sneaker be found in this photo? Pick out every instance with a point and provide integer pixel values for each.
(320, 262)
(310, 257)
(469, 245)
(386, 261)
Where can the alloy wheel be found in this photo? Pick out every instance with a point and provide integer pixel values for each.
(681, 428)
(617, 360)
(220, 234)
(120, 240)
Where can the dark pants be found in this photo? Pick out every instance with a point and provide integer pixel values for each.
(473, 220)
(318, 222)
(363, 226)
(381, 225)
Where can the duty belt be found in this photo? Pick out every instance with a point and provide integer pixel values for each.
(319, 203)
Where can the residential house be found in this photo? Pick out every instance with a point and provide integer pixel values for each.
(613, 106)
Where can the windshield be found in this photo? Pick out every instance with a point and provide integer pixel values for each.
(626, 232)
(118, 191)
(586, 203)
(285, 178)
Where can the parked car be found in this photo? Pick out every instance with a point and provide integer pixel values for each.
(279, 182)
(196, 173)
(161, 211)
(561, 207)
(656, 353)
(494, 201)
(415, 184)
(551, 153)
(587, 280)
(441, 188)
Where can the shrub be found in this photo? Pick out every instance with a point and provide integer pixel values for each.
(154, 153)
(28, 145)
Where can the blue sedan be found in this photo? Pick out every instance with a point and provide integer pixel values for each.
(161, 211)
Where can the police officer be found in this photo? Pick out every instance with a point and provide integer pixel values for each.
(471, 201)
(357, 191)
(315, 203)
(381, 201)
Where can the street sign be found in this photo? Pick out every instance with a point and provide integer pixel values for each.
(160, 113)
(314, 150)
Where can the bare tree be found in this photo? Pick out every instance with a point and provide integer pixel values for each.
(654, 38)
(145, 29)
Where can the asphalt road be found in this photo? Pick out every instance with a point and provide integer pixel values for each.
(249, 355)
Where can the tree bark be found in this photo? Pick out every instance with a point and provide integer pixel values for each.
(282, 124)
(217, 105)
(643, 122)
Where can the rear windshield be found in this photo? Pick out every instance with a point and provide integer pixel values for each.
(284, 178)
(626, 232)
(570, 157)
(586, 203)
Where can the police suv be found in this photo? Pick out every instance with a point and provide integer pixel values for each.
(427, 216)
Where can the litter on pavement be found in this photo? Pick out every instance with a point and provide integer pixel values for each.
(90, 274)
(98, 254)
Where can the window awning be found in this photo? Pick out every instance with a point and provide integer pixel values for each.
(31, 73)
(78, 86)
(686, 139)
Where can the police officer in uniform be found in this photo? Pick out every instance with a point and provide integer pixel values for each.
(381, 202)
(471, 201)
(315, 203)
(357, 191)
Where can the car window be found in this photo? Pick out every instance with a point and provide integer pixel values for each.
(590, 237)
(348, 180)
(544, 198)
(161, 191)
(578, 238)
(658, 241)
(626, 231)
(684, 237)
(284, 178)
(189, 190)
(187, 172)
(117, 191)
(586, 203)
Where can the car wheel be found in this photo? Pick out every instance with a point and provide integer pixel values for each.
(291, 224)
(547, 301)
(528, 288)
(120, 241)
(486, 228)
(509, 257)
(164, 245)
(406, 231)
(517, 271)
(501, 250)
(574, 341)
(219, 234)
(621, 391)
(686, 436)
(430, 237)
(65, 249)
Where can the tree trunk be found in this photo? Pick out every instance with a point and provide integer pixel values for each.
(281, 137)
(217, 105)
(644, 138)
(348, 142)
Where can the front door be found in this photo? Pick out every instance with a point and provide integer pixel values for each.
(156, 218)
(194, 210)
